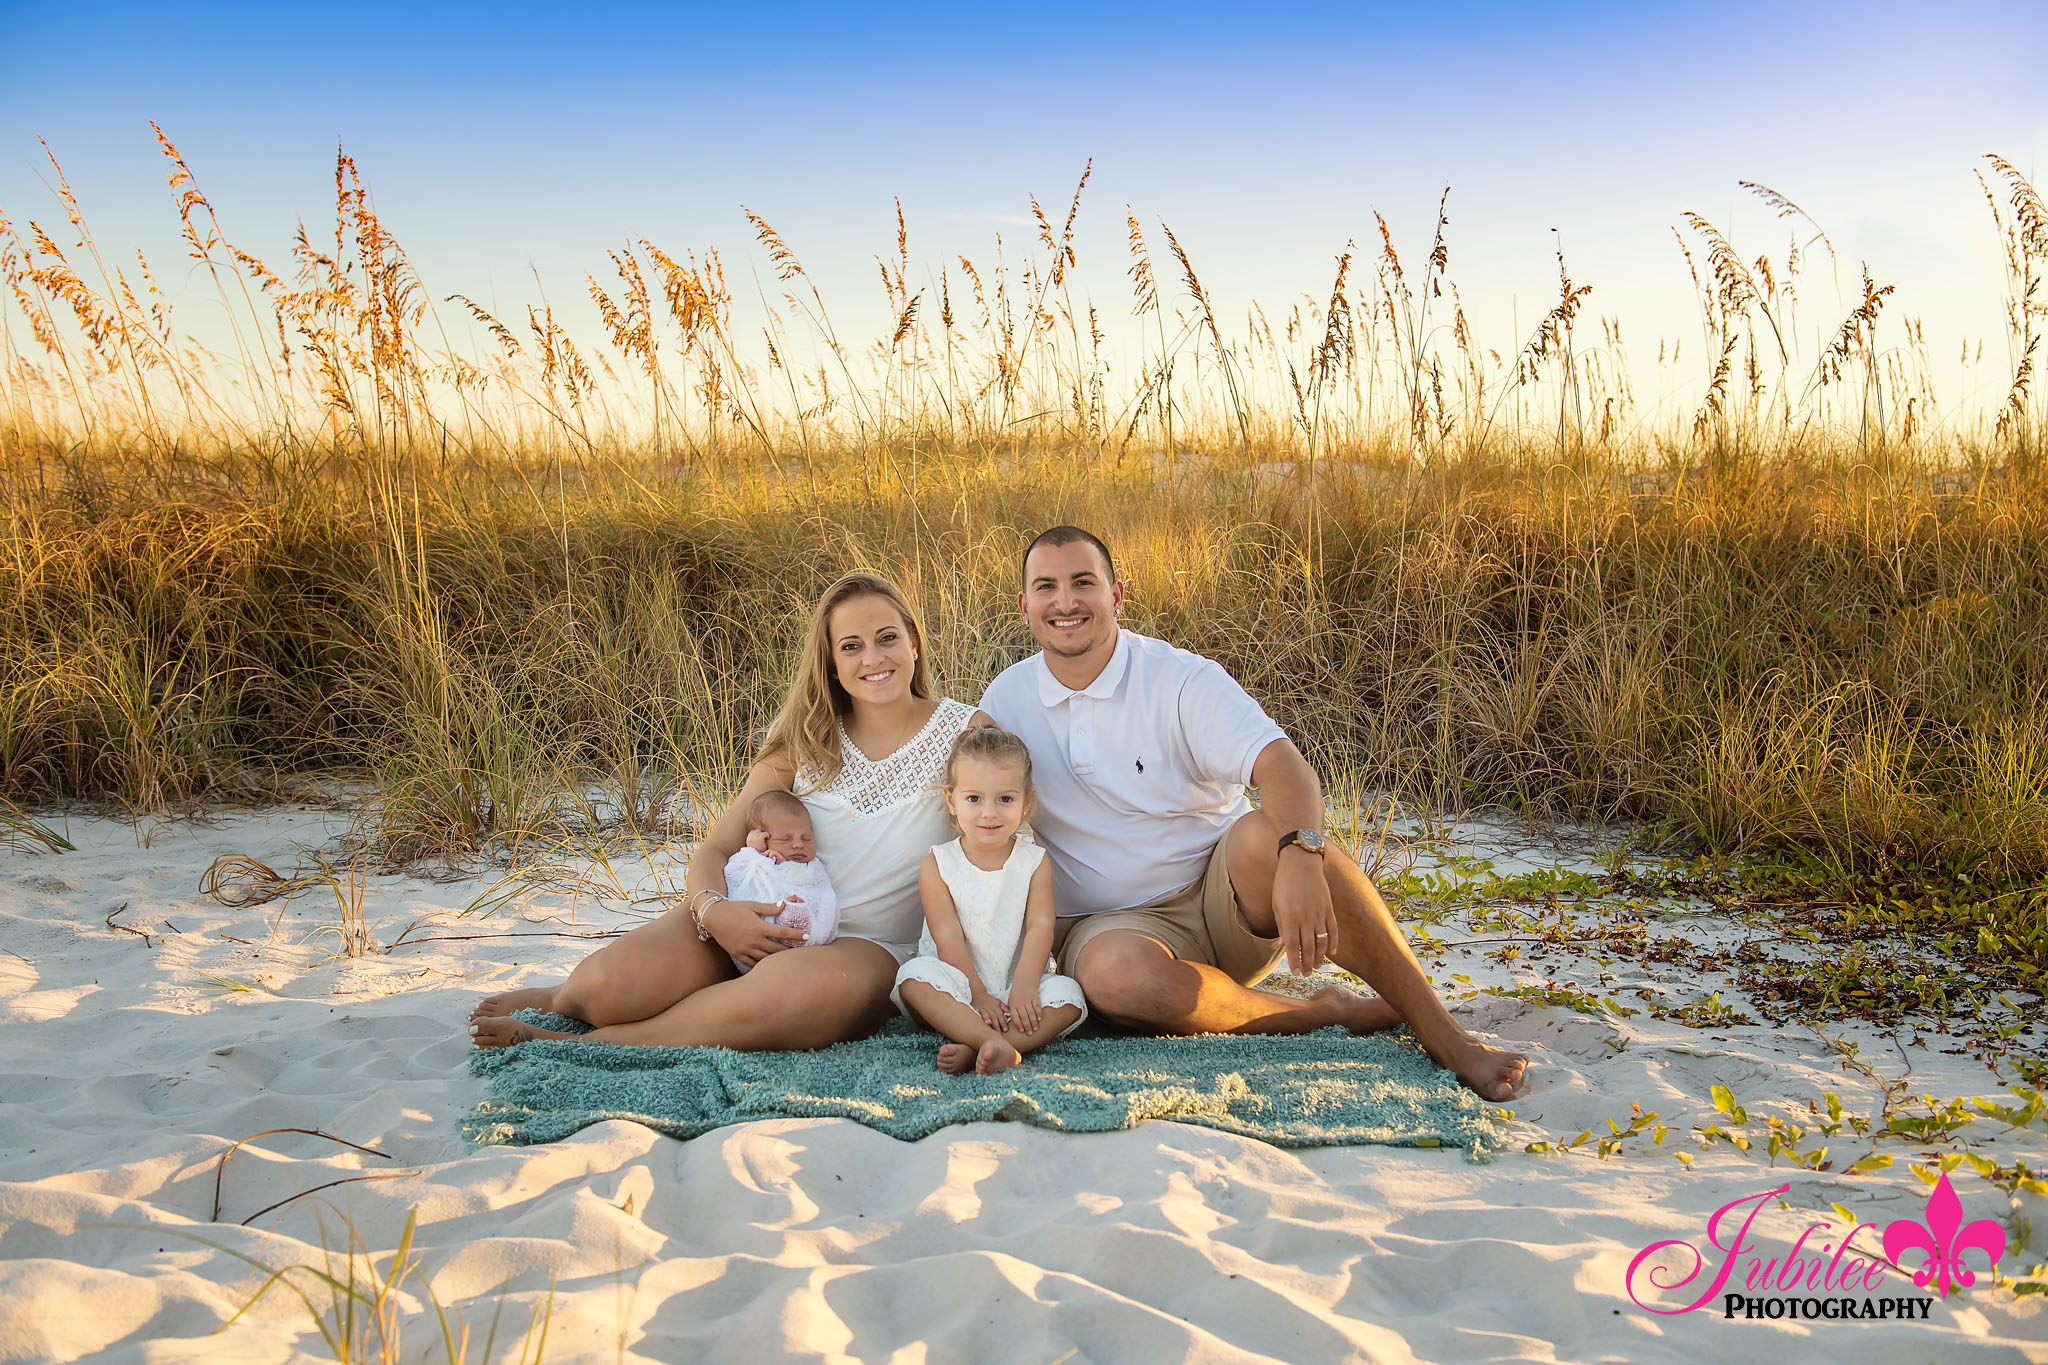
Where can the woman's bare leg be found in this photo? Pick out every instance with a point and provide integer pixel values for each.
(639, 975)
(975, 1045)
(797, 999)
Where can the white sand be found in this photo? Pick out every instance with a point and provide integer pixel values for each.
(129, 1067)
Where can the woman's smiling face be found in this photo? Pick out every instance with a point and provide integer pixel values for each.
(872, 649)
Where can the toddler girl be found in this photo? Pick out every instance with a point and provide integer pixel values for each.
(779, 865)
(988, 915)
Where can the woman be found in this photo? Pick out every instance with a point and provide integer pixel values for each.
(862, 738)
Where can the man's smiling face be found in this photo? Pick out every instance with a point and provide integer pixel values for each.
(1069, 600)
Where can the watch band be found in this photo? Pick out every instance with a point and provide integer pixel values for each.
(1309, 839)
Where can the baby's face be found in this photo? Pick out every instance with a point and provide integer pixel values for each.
(790, 839)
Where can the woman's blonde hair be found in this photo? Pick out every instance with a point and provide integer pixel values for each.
(805, 730)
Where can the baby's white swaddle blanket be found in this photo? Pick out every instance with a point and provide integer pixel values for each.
(802, 890)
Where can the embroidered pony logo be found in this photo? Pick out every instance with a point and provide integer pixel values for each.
(1944, 1238)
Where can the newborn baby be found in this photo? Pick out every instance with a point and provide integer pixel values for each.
(780, 865)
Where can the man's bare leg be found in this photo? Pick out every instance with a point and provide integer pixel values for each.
(1133, 981)
(1372, 947)
(1129, 985)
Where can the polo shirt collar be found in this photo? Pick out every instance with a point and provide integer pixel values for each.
(1052, 691)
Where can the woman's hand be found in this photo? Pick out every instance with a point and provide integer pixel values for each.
(1025, 1012)
(748, 931)
(991, 1011)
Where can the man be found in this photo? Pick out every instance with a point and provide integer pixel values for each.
(1173, 890)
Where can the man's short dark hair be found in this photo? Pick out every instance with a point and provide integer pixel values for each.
(1064, 535)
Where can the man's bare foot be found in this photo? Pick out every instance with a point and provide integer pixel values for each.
(511, 1002)
(503, 1031)
(1491, 1073)
(955, 1059)
(1359, 1013)
(996, 1055)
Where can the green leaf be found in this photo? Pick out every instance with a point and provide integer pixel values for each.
(1724, 1099)
(1876, 1161)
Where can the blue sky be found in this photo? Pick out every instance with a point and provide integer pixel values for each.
(507, 141)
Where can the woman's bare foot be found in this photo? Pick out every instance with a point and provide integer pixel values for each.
(1359, 1013)
(996, 1055)
(511, 1002)
(503, 1031)
(1489, 1072)
(955, 1058)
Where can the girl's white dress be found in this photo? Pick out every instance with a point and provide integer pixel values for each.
(991, 908)
(875, 821)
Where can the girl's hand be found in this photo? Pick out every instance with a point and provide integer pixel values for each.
(748, 931)
(991, 1011)
(1025, 1012)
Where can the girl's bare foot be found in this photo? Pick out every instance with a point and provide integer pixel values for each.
(995, 1055)
(511, 1002)
(955, 1058)
(503, 1031)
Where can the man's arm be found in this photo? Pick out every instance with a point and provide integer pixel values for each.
(1291, 797)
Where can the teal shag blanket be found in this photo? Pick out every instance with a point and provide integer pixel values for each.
(1319, 1089)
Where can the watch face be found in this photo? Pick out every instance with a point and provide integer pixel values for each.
(1311, 840)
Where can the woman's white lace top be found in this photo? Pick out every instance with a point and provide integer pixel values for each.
(991, 909)
(877, 819)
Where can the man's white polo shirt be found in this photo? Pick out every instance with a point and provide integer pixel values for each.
(1138, 774)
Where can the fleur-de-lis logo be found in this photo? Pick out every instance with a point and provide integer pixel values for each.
(1944, 1238)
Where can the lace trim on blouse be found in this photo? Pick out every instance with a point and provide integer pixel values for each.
(918, 766)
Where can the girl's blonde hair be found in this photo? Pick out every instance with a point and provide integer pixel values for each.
(990, 744)
(804, 730)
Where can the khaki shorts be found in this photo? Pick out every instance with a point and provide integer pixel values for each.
(1201, 924)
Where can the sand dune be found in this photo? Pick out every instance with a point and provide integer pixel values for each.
(130, 1065)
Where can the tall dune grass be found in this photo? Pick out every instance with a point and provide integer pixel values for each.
(1806, 613)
